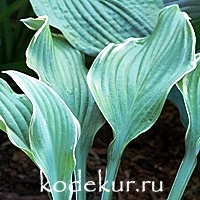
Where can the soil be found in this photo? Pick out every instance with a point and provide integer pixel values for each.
(153, 156)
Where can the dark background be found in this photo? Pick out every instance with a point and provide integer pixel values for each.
(153, 156)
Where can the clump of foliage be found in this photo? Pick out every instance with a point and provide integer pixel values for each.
(143, 52)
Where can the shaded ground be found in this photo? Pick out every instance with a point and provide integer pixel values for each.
(153, 156)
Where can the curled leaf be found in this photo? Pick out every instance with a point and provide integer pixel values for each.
(52, 132)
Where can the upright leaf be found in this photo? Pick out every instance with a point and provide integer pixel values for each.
(190, 88)
(192, 8)
(90, 25)
(52, 134)
(62, 67)
(130, 81)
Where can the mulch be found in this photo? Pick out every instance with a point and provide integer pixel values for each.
(153, 156)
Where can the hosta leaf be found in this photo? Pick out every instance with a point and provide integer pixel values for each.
(91, 25)
(130, 81)
(124, 77)
(53, 133)
(192, 7)
(62, 67)
(190, 88)
(15, 117)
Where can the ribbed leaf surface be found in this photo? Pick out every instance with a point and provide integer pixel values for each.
(130, 81)
(53, 133)
(192, 8)
(15, 114)
(62, 67)
(91, 25)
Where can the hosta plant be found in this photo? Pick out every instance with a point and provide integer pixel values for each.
(143, 52)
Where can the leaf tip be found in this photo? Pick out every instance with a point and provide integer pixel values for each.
(35, 23)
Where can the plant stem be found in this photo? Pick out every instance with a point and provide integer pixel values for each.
(80, 173)
(114, 158)
(182, 178)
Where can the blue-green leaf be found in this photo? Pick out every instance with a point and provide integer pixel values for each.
(52, 133)
(15, 117)
(192, 7)
(190, 88)
(62, 67)
(130, 81)
(91, 25)
(124, 78)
